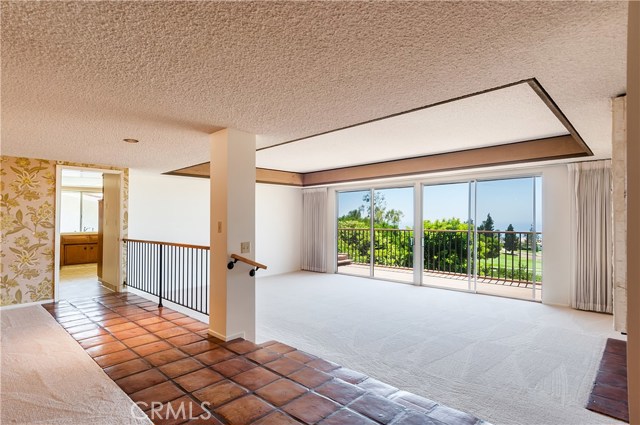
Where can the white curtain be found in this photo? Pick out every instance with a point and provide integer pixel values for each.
(314, 233)
(592, 236)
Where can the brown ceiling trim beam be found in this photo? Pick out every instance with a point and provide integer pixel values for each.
(555, 109)
(263, 175)
(513, 153)
(201, 170)
(288, 178)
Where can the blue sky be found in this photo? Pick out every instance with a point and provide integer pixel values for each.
(509, 202)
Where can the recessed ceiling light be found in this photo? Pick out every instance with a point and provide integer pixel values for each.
(131, 140)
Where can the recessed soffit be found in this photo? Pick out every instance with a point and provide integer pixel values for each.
(509, 114)
(505, 115)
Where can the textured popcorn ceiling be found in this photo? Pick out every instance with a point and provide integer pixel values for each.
(78, 77)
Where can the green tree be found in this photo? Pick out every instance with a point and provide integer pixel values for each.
(488, 246)
(382, 217)
(353, 214)
(445, 224)
(488, 242)
(446, 245)
(510, 240)
(379, 205)
(487, 224)
(392, 247)
(392, 218)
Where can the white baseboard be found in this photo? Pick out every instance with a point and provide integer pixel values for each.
(107, 285)
(227, 337)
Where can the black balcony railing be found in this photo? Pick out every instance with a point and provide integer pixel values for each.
(393, 247)
(514, 257)
(447, 251)
(177, 273)
(356, 244)
(502, 256)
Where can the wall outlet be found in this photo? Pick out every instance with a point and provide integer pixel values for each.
(245, 247)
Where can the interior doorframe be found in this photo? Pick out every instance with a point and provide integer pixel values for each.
(56, 250)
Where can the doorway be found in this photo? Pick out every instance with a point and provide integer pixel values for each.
(88, 229)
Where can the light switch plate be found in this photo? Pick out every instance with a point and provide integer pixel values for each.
(245, 247)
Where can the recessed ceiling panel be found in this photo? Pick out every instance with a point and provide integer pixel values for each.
(507, 115)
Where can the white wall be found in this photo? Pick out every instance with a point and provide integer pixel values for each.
(168, 208)
(278, 228)
(176, 209)
(556, 216)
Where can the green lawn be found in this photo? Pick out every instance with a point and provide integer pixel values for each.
(517, 260)
(507, 259)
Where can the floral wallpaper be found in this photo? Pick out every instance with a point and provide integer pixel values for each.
(27, 199)
(27, 226)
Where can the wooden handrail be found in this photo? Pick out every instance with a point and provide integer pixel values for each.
(182, 245)
(248, 261)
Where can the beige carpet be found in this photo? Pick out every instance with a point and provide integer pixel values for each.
(47, 378)
(506, 361)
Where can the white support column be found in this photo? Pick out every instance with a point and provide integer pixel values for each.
(232, 312)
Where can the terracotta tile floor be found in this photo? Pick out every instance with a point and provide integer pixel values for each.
(609, 393)
(168, 364)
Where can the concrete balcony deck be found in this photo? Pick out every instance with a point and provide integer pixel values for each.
(441, 280)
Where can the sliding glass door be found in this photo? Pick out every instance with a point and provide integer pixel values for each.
(448, 235)
(354, 233)
(393, 234)
(509, 237)
(484, 236)
(378, 222)
(480, 235)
